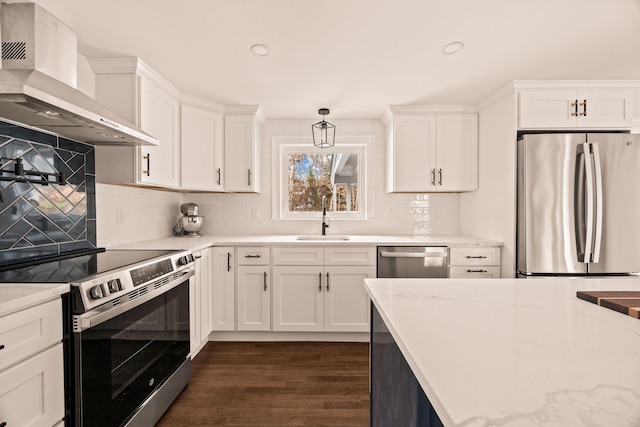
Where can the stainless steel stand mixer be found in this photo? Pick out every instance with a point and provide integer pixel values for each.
(190, 223)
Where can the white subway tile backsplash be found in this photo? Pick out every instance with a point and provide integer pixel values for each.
(152, 213)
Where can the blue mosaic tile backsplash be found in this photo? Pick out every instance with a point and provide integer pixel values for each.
(39, 220)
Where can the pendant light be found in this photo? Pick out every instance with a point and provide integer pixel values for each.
(324, 133)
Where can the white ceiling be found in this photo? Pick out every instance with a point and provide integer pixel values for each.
(358, 56)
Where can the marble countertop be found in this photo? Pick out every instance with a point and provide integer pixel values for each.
(197, 243)
(18, 296)
(516, 352)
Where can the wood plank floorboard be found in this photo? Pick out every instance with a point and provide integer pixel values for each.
(287, 384)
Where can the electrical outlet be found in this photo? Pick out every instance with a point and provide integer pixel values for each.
(121, 217)
(255, 214)
(393, 214)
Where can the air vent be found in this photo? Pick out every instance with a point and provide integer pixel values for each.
(14, 50)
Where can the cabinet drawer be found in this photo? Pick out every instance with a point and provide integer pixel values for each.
(474, 256)
(253, 255)
(29, 331)
(298, 255)
(470, 272)
(32, 392)
(350, 255)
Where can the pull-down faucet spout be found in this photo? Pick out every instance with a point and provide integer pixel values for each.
(324, 216)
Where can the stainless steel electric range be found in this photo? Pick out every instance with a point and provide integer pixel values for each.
(126, 333)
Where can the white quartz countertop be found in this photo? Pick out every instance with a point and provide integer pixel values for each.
(197, 243)
(17, 296)
(516, 352)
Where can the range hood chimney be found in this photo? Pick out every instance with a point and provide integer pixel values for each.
(38, 81)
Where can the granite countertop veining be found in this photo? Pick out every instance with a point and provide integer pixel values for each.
(516, 352)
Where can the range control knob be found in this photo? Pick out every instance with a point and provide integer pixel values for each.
(97, 292)
(114, 285)
(187, 259)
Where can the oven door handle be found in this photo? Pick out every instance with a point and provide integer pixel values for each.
(389, 254)
(99, 315)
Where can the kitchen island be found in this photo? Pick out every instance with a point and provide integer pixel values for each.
(509, 352)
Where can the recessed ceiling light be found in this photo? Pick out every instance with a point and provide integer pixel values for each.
(260, 50)
(453, 47)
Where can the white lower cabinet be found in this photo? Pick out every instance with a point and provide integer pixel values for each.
(298, 298)
(327, 296)
(253, 304)
(199, 301)
(253, 288)
(346, 303)
(474, 262)
(317, 298)
(223, 299)
(31, 367)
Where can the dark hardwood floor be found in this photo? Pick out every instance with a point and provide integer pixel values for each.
(275, 384)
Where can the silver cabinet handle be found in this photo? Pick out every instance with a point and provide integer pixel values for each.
(327, 281)
(475, 257)
(265, 281)
(148, 159)
(476, 271)
(583, 104)
(252, 256)
(388, 254)
(439, 176)
(319, 282)
(433, 177)
(219, 172)
(228, 261)
(249, 177)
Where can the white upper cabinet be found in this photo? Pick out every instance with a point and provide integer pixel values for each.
(431, 152)
(201, 148)
(575, 108)
(242, 149)
(160, 117)
(135, 92)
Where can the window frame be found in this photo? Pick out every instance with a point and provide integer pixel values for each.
(282, 147)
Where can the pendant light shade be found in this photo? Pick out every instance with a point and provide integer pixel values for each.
(324, 133)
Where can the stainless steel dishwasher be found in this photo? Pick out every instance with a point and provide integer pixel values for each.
(412, 261)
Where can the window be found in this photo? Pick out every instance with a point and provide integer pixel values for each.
(308, 173)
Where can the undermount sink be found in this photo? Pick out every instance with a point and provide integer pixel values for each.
(319, 237)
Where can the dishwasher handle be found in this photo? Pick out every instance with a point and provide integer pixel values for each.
(390, 254)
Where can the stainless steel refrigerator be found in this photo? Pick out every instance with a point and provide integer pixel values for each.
(578, 204)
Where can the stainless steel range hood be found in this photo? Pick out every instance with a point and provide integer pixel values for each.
(38, 79)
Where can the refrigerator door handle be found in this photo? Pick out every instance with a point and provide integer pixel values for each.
(599, 202)
(588, 169)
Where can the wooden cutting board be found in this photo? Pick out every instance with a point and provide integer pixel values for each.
(626, 302)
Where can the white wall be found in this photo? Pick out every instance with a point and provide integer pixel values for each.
(490, 212)
(147, 214)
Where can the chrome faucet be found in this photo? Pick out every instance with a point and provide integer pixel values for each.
(324, 216)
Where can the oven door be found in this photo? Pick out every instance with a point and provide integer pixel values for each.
(123, 360)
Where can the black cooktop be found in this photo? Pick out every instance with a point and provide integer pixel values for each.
(78, 268)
